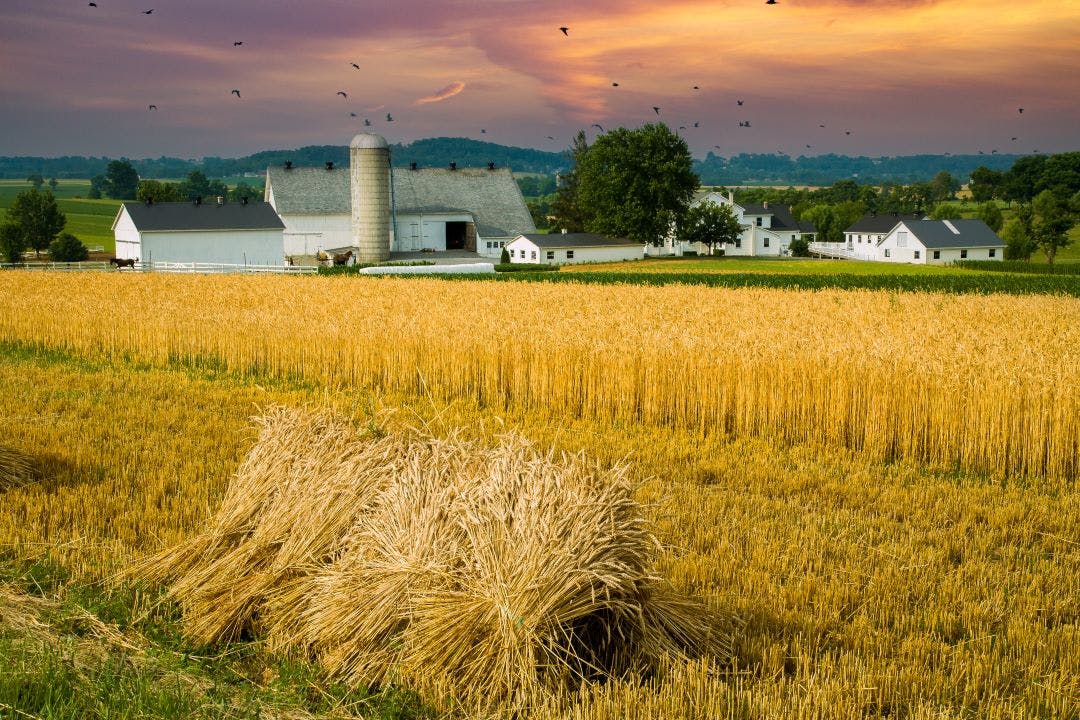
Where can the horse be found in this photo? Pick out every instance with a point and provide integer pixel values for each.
(122, 263)
(342, 259)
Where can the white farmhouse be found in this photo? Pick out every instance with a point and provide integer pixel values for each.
(230, 233)
(862, 237)
(767, 230)
(568, 248)
(936, 242)
(476, 210)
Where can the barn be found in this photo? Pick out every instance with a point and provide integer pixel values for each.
(569, 248)
(220, 232)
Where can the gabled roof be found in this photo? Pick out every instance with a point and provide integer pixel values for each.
(176, 217)
(938, 234)
(492, 197)
(577, 240)
(784, 221)
(880, 223)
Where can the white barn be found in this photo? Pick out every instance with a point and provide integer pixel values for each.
(228, 233)
(862, 237)
(569, 248)
(767, 230)
(476, 210)
(936, 242)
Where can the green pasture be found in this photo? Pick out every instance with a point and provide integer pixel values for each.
(801, 266)
(89, 220)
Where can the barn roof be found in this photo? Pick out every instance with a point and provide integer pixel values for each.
(174, 217)
(492, 197)
(577, 240)
(953, 233)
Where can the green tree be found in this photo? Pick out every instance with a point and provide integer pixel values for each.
(12, 242)
(1022, 179)
(38, 217)
(53, 183)
(568, 213)
(197, 185)
(68, 248)
(990, 214)
(1018, 244)
(504, 257)
(243, 190)
(799, 247)
(986, 184)
(825, 223)
(1053, 219)
(946, 211)
(36, 180)
(710, 224)
(98, 185)
(943, 186)
(121, 180)
(158, 191)
(636, 183)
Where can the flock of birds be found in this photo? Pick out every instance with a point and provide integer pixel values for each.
(565, 30)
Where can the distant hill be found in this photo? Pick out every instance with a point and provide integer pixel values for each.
(744, 169)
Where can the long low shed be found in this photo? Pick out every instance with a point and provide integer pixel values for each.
(226, 233)
(568, 248)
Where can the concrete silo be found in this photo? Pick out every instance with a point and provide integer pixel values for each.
(369, 165)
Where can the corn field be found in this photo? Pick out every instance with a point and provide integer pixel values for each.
(874, 576)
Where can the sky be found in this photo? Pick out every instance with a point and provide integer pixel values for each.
(903, 76)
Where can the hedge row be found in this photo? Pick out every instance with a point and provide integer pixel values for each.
(1019, 266)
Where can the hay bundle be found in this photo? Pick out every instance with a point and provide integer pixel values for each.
(483, 576)
(16, 468)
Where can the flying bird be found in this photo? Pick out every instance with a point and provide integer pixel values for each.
(565, 30)
(236, 93)
(343, 94)
(696, 87)
(697, 124)
(598, 127)
(153, 107)
(355, 65)
(483, 131)
(614, 84)
(238, 43)
(389, 117)
(981, 152)
(847, 132)
(352, 114)
(821, 125)
(656, 109)
(682, 127)
(367, 123)
(1020, 110)
(770, 2)
(93, 4)
(550, 138)
(716, 146)
(1014, 139)
(148, 12)
(739, 102)
(808, 146)
(993, 152)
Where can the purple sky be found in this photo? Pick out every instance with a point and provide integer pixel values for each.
(905, 76)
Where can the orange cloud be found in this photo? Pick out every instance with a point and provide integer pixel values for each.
(445, 93)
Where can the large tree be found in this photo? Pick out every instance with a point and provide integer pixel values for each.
(943, 186)
(568, 213)
(121, 180)
(12, 242)
(68, 248)
(158, 191)
(1053, 219)
(636, 183)
(990, 214)
(986, 184)
(710, 224)
(1018, 243)
(38, 217)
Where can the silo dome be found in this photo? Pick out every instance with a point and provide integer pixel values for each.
(369, 141)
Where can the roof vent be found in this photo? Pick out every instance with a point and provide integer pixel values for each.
(412, 166)
(453, 166)
(491, 166)
(948, 224)
(765, 204)
(198, 201)
(288, 164)
(220, 200)
(243, 200)
(329, 164)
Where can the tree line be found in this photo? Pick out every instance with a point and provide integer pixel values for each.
(35, 222)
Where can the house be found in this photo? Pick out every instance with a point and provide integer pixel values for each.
(476, 210)
(566, 248)
(219, 232)
(767, 230)
(862, 237)
(936, 242)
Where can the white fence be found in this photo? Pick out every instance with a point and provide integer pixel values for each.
(166, 267)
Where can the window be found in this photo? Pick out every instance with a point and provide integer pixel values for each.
(766, 242)
(738, 242)
(533, 254)
(569, 254)
(937, 254)
(963, 254)
(901, 239)
(489, 245)
(550, 254)
(511, 252)
(916, 254)
(860, 238)
(888, 252)
(758, 221)
(792, 237)
(993, 252)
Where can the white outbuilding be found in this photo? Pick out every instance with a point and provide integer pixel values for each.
(936, 242)
(226, 233)
(569, 248)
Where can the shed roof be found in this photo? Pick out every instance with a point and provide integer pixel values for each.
(174, 217)
(883, 223)
(578, 240)
(492, 197)
(938, 234)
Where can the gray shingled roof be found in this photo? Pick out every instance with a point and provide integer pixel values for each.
(577, 240)
(880, 223)
(492, 197)
(166, 217)
(936, 234)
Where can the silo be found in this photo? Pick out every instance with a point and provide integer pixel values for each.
(369, 165)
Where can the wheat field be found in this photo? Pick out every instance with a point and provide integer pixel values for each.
(875, 576)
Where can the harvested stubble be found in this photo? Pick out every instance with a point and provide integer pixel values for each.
(479, 577)
(16, 468)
